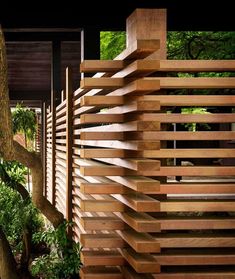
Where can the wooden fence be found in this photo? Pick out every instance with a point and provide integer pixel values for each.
(109, 163)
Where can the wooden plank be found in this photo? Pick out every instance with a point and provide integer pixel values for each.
(140, 242)
(101, 153)
(136, 106)
(197, 65)
(196, 171)
(102, 223)
(194, 205)
(142, 263)
(101, 240)
(101, 83)
(102, 206)
(197, 188)
(195, 275)
(159, 135)
(197, 223)
(139, 221)
(101, 100)
(139, 68)
(183, 118)
(88, 66)
(190, 153)
(195, 241)
(128, 105)
(101, 136)
(138, 87)
(102, 258)
(129, 145)
(195, 100)
(196, 83)
(102, 170)
(194, 257)
(139, 49)
(140, 165)
(100, 118)
(103, 188)
(140, 202)
(126, 127)
(138, 183)
(168, 135)
(90, 272)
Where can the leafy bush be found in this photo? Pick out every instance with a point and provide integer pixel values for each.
(16, 171)
(15, 215)
(63, 260)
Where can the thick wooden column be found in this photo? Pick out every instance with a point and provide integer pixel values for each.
(55, 99)
(148, 24)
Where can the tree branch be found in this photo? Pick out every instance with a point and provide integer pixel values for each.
(7, 260)
(12, 150)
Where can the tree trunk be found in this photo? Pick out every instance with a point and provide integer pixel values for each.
(7, 261)
(12, 150)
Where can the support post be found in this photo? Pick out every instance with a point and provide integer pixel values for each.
(44, 147)
(55, 99)
(69, 143)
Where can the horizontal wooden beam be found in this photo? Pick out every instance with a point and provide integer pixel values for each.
(195, 100)
(140, 242)
(198, 188)
(195, 205)
(197, 65)
(196, 171)
(101, 83)
(196, 83)
(101, 65)
(101, 240)
(102, 223)
(195, 241)
(149, 66)
(100, 272)
(159, 135)
(142, 263)
(190, 153)
(139, 49)
(140, 221)
(102, 258)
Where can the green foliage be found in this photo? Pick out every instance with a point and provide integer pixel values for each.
(24, 121)
(64, 258)
(16, 215)
(193, 126)
(201, 45)
(111, 44)
(16, 171)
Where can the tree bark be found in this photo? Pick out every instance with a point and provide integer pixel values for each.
(12, 150)
(7, 261)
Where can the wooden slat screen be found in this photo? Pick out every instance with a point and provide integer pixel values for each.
(132, 214)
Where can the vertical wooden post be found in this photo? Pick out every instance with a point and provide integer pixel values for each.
(55, 99)
(44, 147)
(148, 24)
(69, 143)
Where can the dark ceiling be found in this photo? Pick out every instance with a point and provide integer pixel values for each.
(29, 53)
(104, 14)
